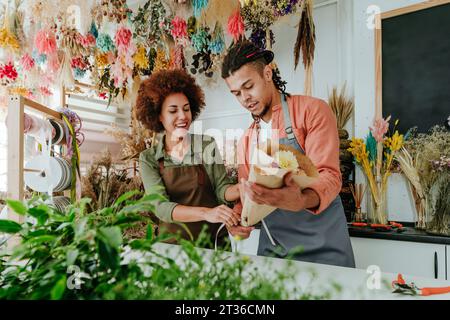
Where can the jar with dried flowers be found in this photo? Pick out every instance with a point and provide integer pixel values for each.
(375, 155)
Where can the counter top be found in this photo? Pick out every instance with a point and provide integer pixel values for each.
(315, 278)
(410, 234)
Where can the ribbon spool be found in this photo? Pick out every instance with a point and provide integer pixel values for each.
(40, 177)
(61, 203)
(58, 136)
(33, 125)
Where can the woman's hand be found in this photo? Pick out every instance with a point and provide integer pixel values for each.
(222, 214)
(232, 193)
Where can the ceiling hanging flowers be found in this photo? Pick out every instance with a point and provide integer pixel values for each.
(306, 43)
(104, 43)
(151, 23)
(199, 6)
(285, 7)
(8, 73)
(217, 43)
(27, 62)
(60, 52)
(179, 31)
(122, 69)
(45, 42)
(140, 58)
(7, 38)
(236, 27)
(259, 17)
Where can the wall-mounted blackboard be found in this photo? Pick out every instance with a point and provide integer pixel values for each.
(416, 68)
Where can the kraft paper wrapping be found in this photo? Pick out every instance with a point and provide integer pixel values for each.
(263, 173)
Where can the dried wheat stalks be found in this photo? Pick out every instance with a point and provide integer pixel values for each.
(341, 105)
(306, 43)
(409, 169)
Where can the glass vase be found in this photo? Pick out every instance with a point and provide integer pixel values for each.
(377, 211)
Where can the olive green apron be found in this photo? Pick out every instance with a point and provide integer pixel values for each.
(190, 186)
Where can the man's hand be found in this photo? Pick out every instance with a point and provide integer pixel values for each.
(240, 231)
(288, 198)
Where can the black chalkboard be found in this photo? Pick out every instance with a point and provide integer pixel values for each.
(416, 68)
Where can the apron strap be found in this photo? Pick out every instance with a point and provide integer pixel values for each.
(287, 119)
(161, 165)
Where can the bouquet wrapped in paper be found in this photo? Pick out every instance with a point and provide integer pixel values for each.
(268, 169)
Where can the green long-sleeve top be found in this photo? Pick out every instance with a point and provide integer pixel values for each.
(204, 149)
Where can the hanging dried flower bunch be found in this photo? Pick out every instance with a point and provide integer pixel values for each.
(18, 18)
(177, 59)
(259, 17)
(284, 7)
(162, 61)
(12, 39)
(218, 12)
(202, 60)
(114, 10)
(198, 6)
(236, 26)
(151, 23)
(306, 43)
(8, 73)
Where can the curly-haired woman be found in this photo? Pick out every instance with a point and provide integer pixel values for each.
(187, 168)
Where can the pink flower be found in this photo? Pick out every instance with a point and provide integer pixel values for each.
(8, 71)
(179, 28)
(123, 37)
(102, 95)
(53, 63)
(79, 63)
(87, 41)
(45, 91)
(111, 57)
(45, 42)
(27, 62)
(236, 26)
(380, 127)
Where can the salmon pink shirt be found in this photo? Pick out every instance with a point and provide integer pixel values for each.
(314, 126)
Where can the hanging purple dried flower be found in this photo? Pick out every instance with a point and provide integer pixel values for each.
(258, 37)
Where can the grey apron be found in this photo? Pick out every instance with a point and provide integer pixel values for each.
(321, 238)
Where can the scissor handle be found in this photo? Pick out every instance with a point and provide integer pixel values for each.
(431, 291)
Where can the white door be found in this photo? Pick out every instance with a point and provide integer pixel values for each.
(409, 258)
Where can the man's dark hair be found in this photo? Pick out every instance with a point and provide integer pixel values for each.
(245, 52)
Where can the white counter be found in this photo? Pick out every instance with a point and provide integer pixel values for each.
(315, 278)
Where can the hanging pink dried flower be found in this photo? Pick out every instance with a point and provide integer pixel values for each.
(122, 69)
(123, 38)
(53, 63)
(27, 62)
(379, 129)
(45, 91)
(87, 41)
(111, 57)
(236, 27)
(179, 28)
(8, 71)
(79, 63)
(45, 42)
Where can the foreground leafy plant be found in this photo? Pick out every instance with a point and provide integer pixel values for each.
(81, 255)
